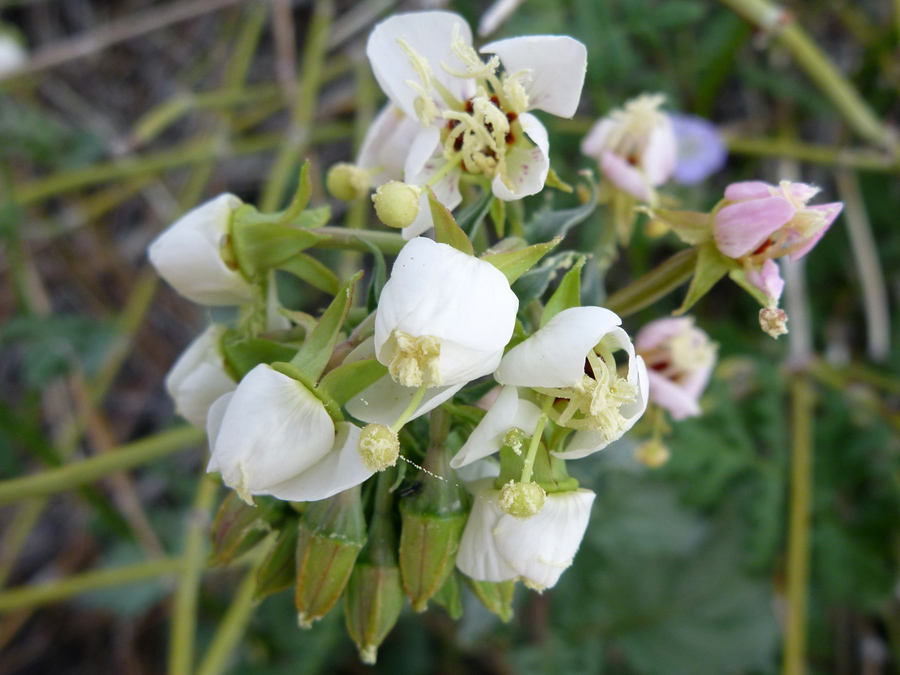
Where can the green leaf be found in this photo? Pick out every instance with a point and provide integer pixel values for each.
(313, 218)
(450, 596)
(261, 246)
(471, 216)
(554, 181)
(319, 345)
(534, 283)
(243, 355)
(301, 196)
(740, 278)
(711, 266)
(498, 216)
(446, 231)
(349, 379)
(313, 272)
(567, 295)
(496, 596)
(514, 264)
(548, 224)
(236, 529)
(278, 571)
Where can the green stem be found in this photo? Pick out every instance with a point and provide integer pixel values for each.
(536, 440)
(184, 612)
(654, 285)
(86, 471)
(16, 533)
(345, 238)
(798, 552)
(777, 21)
(303, 116)
(410, 409)
(55, 591)
(826, 155)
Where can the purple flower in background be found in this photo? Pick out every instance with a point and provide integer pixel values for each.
(701, 151)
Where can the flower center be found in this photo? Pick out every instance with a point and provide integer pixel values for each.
(594, 403)
(415, 360)
(633, 125)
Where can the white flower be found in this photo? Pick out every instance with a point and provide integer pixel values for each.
(188, 255)
(496, 546)
(508, 412)
(198, 377)
(12, 54)
(273, 436)
(496, 14)
(473, 118)
(386, 144)
(635, 146)
(571, 358)
(443, 319)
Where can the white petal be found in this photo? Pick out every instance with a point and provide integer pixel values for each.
(446, 191)
(187, 255)
(430, 35)
(464, 302)
(476, 471)
(488, 437)
(340, 469)
(387, 144)
(478, 556)
(595, 143)
(557, 64)
(274, 428)
(425, 146)
(540, 548)
(527, 167)
(658, 160)
(554, 355)
(198, 377)
(214, 425)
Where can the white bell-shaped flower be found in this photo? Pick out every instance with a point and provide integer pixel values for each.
(198, 377)
(188, 255)
(496, 546)
(572, 358)
(474, 118)
(273, 436)
(509, 421)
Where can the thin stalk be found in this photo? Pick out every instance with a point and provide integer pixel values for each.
(56, 591)
(776, 21)
(654, 285)
(16, 533)
(343, 238)
(73, 475)
(184, 612)
(825, 155)
(798, 552)
(298, 135)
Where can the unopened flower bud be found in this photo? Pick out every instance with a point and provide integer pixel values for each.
(378, 447)
(331, 534)
(348, 182)
(652, 454)
(236, 529)
(773, 321)
(522, 500)
(397, 204)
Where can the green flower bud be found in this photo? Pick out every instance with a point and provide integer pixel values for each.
(236, 529)
(330, 536)
(278, 571)
(521, 500)
(348, 182)
(397, 204)
(432, 523)
(497, 596)
(379, 447)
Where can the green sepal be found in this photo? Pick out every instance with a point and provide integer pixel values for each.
(236, 529)
(450, 596)
(319, 345)
(260, 244)
(497, 596)
(292, 371)
(514, 264)
(549, 472)
(711, 266)
(472, 215)
(567, 294)
(554, 181)
(691, 227)
(301, 196)
(331, 534)
(313, 218)
(739, 276)
(278, 571)
(498, 217)
(350, 379)
(313, 272)
(243, 355)
(467, 413)
(446, 231)
(379, 275)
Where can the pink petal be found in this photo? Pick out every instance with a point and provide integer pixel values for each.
(751, 189)
(832, 211)
(624, 176)
(768, 280)
(656, 332)
(668, 395)
(741, 228)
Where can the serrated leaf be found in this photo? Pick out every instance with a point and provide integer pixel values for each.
(319, 345)
(567, 294)
(711, 266)
(514, 264)
(350, 379)
(313, 272)
(446, 231)
(242, 356)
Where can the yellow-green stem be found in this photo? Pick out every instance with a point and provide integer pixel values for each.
(798, 551)
(73, 475)
(345, 238)
(528, 467)
(410, 409)
(654, 285)
(826, 155)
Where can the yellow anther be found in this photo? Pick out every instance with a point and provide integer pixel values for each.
(415, 361)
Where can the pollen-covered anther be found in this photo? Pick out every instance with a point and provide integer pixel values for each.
(415, 361)
(773, 321)
(514, 439)
(521, 500)
(379, 447)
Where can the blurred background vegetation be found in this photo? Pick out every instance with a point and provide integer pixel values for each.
(130, 112)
